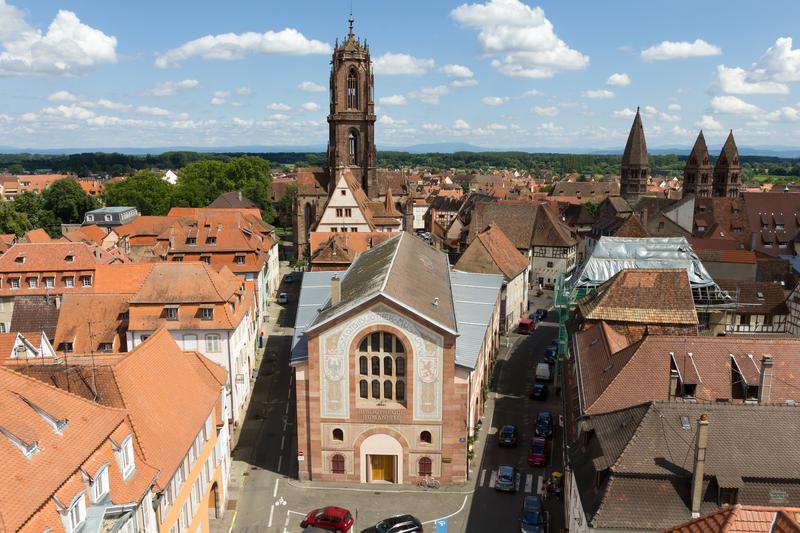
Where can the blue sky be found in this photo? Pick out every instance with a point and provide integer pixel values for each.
(494, 73)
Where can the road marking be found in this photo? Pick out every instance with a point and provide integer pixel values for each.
(450, 515)
(540, 486)
(271, 512)
(280, 460)
(528, 483)
(275, 490)
(283, 441)
(287, 408)
(232, 521)
(483, 476)
(493, 478)
(517, 480)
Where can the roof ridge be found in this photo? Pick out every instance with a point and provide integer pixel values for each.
(634, 346)
(391, 263)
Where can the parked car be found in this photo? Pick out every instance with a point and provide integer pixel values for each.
(539, 392)
(541, 314)
(550, 355)
(330, 519)
(507, 436)
(542, 372)
(283, 298)
(288, 278)
(399, 524)
(526, 326)
(539, 454)
(544, 424)
(506, 478)
(534, 518)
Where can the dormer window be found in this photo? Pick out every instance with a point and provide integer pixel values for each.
(76, 514)
(107, 347)
(70, 259)
(207, 313)
(90, 218)
(100, 484)
(689, 390)
(14, 283)
(33, 283)
(239, 259)
(65, 347)
(19, 259)
(211, 240)
(191, 240)
(205, 259)
(171, 312)
(126, 459)
(108, 218)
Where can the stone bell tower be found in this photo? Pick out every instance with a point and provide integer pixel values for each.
(351, 141)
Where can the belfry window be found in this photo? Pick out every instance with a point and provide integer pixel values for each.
(352, 89)
(352, 147)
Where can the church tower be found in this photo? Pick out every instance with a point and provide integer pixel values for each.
(351, 140)
(633, 174)
(727, 170)
(697, 172)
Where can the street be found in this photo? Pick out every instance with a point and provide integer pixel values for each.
(267, 497)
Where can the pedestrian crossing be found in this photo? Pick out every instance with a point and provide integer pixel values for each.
(528, 483)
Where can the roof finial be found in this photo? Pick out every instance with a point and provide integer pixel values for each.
(350, 21)
(637, 109)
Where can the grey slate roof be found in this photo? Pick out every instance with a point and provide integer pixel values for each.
(474, 298)
(315, 291)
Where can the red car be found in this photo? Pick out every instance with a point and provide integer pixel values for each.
(539, 454)
(329, 518)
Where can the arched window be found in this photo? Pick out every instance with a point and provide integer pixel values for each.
(425, 437)
(337, 464)
(352, 89)
(352, 147)
(338, 434)
(425, 466)
(381, 356)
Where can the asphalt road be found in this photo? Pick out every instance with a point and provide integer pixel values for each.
(490, 509)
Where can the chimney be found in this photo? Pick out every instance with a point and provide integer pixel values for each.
(765, 385)
(673, 384)
(336, 290)
(699, 464)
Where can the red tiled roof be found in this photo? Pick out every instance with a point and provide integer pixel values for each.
(743, 519)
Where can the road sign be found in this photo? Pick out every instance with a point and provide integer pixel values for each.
(300, 456)
(441, 526)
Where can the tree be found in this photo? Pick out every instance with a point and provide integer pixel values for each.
(145, 190)
(285, 206)
(31, 205)
(67, 201)
(12, 221)
(199, 183)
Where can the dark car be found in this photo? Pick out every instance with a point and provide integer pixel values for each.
(399, 524)
(539, 454)
(288, 278)
(507, 436)
(534, 517)
(550, 355)
(506, 478)
(541, 314)
(544, 424)
(329, 519)
(539, 392)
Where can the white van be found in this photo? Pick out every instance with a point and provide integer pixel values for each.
(542, 372)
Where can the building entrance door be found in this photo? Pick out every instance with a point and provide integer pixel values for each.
(382, 468)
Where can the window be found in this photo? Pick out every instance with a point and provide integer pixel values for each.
(76, 515)
(205, 259)
(382, 357)
(207, 313)
(337, 464)
(376, 365)
(69, 258)
(376, 389)
(69, 281)
(191, 240)
(107, 347)
(100, 484)
(425, 437)
(343, 192)
(66, 347)
(86, 281)
(335, 230)
(363, 389)
(189, 342)
(339, 212)
(352, 147)
(727, 497)
(126, 457)
(387, 390)
(387, 365)
(549, 264)
(362, 365)
(49, 282)
(425, 466)
(352, 89)
(90, 218)
(212, 343)
(172, 312)
(143, 338)
(338, 434)
(211, 240)
(177, 259)
(400, 395)
(108, 218)
(14, 282)
(348, 212)
(239, 259)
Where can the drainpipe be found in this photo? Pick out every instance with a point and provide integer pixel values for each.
(765, 387)
(699, 464)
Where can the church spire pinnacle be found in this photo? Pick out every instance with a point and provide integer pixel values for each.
(350, 23)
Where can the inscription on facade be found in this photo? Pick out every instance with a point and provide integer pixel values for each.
(380, 415)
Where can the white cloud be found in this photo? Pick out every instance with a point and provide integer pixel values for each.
(222, 94)
(386, 120)
(522, 36)
(310, 87)
(430, 95)
(469, 82)
(395, 99)
(244, 91)
(709, 123)
(277, 106)
(456, 71)
(106, 104)
(171, 88)
(231, 46)
(495, 100)
(105, 120)
(619, 79)
(279, 116)
(625, 113)
(69, 111)
(598, 93)
(680, 50)
(61, 96)
(460, 125)
(780, 62)
(532, 92)
(674, 107)
(154, 111)
(310, 106)
(217, 100)
(430, 126)
(677, 130)
(738, 81)
(394, 64)
(550, 111)
(68, 47)
(495, 126)
(550, 127)
(733, 106)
